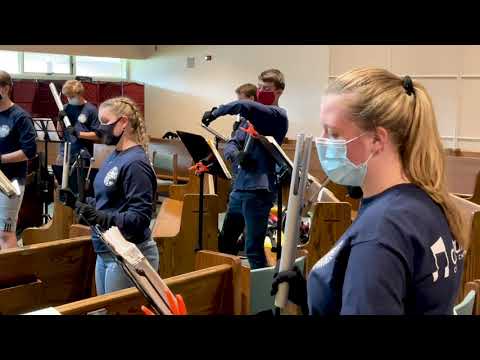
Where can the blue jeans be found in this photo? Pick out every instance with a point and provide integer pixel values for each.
(254, 207)
(109, 275)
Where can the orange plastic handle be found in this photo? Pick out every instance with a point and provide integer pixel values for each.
(250, 130)
(199, 168)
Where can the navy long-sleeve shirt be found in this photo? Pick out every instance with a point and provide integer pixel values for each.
(85, 119)
(17, 133)
(268, 121)
(125, 188)
(398, 257)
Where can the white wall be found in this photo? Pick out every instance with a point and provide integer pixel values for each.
(451, 74)
(176, 96)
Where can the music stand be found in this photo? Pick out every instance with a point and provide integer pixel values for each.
(218, 137)
(46, 132)
(203, 151)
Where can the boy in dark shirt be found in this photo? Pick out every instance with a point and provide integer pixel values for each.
(255, 187)
(233, 224)
(17, 145)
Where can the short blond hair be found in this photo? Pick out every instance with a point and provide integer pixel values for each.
(73, 88)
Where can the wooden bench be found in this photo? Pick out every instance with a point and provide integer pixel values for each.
(463, 176)
(212, 289)
(56, 229)
(176, 230)
(329, 222)
(49, 274)
(471, 215)
(469, 303)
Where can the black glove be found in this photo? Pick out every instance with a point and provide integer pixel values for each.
(61, 115)
(297, 289)
(208, 117)
(72, 131)
(355, 192)
(235, 126)
(92, 217)
(68, 198)
(246, 160)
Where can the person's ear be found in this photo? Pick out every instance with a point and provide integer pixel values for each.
(124, 122)
(380, 139)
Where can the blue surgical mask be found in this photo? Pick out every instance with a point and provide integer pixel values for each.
(74, 101)
(335, 163)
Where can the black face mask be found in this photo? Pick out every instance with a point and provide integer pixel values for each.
(106, 134)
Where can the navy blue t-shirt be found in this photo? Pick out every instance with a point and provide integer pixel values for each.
(398, 257)
(268, 120)
(17, 133)
(85, 119)
(125, 187)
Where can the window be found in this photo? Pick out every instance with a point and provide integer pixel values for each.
(46, 63)
(9, 62)
(100, 67)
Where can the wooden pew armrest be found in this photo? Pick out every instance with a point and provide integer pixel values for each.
(169, 219)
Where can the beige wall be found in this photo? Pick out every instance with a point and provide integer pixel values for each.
(121, 51)
(450, 73)
(176, 96)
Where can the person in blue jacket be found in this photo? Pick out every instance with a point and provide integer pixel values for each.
(405, 251)
(17, 146)
(83, 116)
(124, 188)
(233, 224)
(255, 187)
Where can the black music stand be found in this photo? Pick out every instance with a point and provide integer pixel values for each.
(218, 138)
(46, 133)
(203, 152)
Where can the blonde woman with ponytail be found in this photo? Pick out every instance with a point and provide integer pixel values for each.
(404, 253)
(124, 188)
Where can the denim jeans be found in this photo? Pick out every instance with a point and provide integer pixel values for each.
(109, 275)
(254, 207)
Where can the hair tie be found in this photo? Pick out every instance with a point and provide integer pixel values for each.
(408, 85)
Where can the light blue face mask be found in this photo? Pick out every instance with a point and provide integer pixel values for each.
(335, 163)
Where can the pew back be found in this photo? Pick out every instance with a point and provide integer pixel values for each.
(212, 289)
(48, 274)
(471, 215)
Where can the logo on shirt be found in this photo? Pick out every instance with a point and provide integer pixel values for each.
(439, 251)
(4, 131)
(111, 177)
(82, 118)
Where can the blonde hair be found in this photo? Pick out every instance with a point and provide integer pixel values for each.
(382, 99)
(73, 88)
(124, 106)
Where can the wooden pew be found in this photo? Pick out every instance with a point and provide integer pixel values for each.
(463, 176)
(176, 230)
(212, 289)
(471, 214)
(43, 275)
(329, 222)
(475, 286)
(56, 229)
